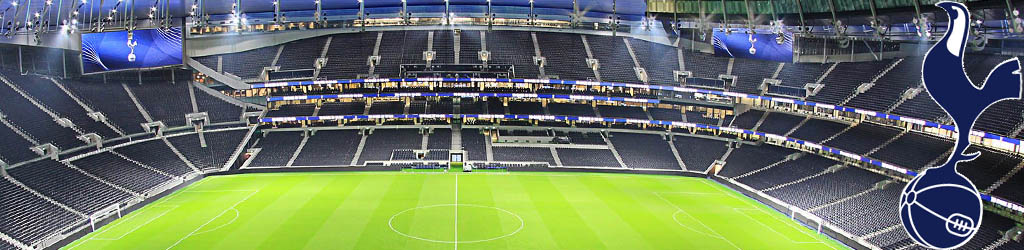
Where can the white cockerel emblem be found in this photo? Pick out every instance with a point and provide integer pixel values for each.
(131, 45)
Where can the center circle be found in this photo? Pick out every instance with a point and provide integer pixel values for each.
(447, 212)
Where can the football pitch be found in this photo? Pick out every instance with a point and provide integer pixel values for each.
(364, 210)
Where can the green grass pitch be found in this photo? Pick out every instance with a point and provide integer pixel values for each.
(454, 211)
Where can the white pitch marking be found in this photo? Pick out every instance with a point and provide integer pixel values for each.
(787, 223)
(237, 214)
(456, 211)
(139, 226)
(718, 235)
(690, 228)
(218, 191)
(522, 223)
(729, 192)
(740, 210)
(602, 175)
(211, 220)
(107, 228)
(693, 193)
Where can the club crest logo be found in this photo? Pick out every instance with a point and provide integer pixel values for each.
(940, 208)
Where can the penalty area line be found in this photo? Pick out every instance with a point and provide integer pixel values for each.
(212, 219)
(741, 211)
(679, 209)
(170, 208)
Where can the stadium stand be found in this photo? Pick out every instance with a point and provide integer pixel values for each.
(892, 239)
(444, 47)
(779, 123)
(440, 139)
(571, 109)
(827, 187)
(747, 120)
(843, 81)
(469, 46)
(69, 186)
(112, 100)
(668, 115)
(417, 107)
(30, 119)
(348, 55)
(218, 110)
(657, 59)
(474, 143)
(519, 154)
(863, 137)
(754, 72)
(786, 172)
(330, 148)
(387, 107)
(7, 246)
(993, 228)
(294, 110)
(800, 74)
(1011, 188)
(565, 55)
(301, 54)
(513, 47)
(391, 53)
(615, 62)
(383, 141)
(164, 102)
(890, 87)
(443, 106)
(156, 154)
(989, 167)
(51, 96)
(697, 117)
(643, 151)
(331, 108)
(914, 151)
(28, 217)
(576, 157)
(864, 213)
(746, 158)
(247, 65)
(121, 172)
(525, 108)
(817, 130)
(584, 138)
(276, 149)
(1001, 118)
(921, 106)
(218, 149)
(15, 148)
(704, 65)
(698, 153)
(622, 112)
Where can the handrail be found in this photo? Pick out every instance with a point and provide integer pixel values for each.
(463, 94)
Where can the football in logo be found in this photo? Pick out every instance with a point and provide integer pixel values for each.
(940, 208)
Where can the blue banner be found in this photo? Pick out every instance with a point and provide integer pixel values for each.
(740, 44)
(109, 51)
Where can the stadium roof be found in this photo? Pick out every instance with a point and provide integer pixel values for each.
(179, 8)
